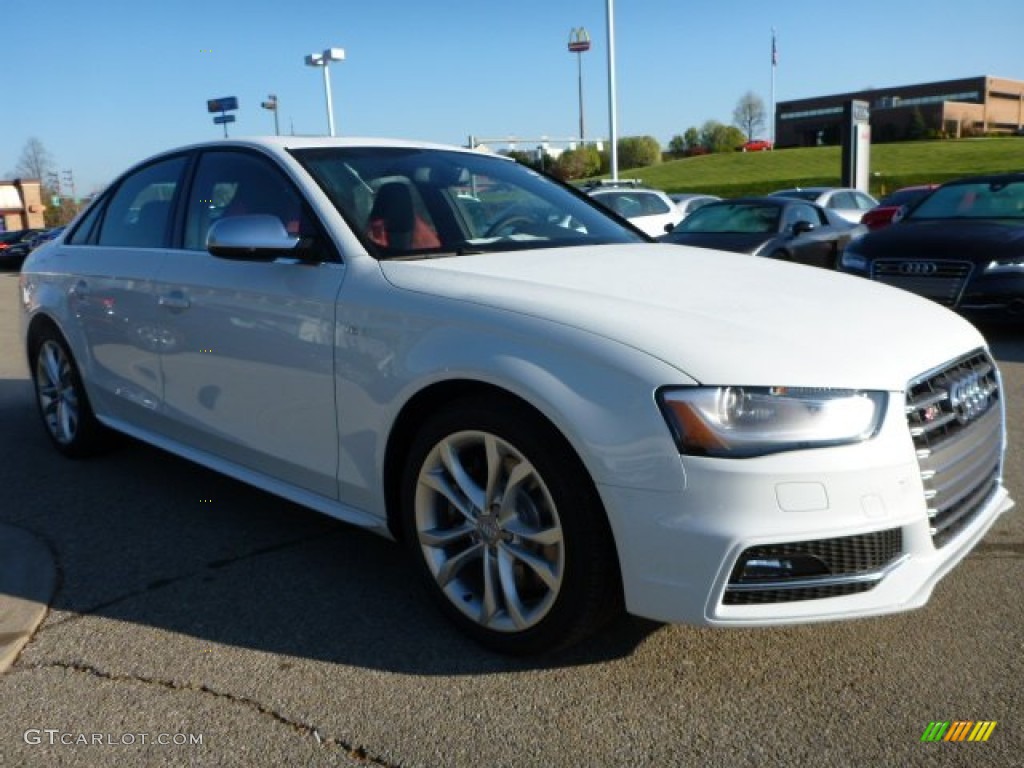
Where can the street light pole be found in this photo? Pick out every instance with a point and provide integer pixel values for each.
(323, 60)
(612, 128)
(579, 43)
(271, 104)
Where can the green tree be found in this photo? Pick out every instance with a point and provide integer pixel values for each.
(749, 115)
(692, 139)
(580, 163)
(717, 137)
(677, 146)
(638, 151)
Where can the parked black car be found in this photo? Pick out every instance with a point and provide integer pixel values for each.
(777, 227)
(962, 246)
(14, 246)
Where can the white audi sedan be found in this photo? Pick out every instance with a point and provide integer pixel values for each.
(557, 417)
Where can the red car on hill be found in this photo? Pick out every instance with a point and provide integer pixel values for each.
(757, 145)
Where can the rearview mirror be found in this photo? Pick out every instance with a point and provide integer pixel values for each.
(801, 227)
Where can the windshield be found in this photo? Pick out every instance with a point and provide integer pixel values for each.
(420, 203)
(973, 200)
(732, 218)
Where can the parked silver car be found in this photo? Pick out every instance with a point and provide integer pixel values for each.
(849, 203)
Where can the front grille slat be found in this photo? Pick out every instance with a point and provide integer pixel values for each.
(955, 420)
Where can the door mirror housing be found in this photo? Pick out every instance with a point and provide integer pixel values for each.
(254, 237)
(802, 227)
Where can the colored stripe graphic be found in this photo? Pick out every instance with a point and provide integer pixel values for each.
(959, 730)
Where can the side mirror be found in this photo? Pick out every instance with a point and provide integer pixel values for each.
(256, 237)
(669, 227)
(899, 214)
(801, 227)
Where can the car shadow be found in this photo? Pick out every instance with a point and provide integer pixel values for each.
(142, 536)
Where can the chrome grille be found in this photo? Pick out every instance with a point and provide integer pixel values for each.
(941, 281)
(955, 420)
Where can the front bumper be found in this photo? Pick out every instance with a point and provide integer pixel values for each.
(679, 551)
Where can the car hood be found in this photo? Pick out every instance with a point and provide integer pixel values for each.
(979, 241)
(720, 318)
(740, 242)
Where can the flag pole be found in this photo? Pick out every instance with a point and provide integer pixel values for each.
(775, 61)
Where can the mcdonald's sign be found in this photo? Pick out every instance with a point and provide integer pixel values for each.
(959, 730)
(579, 40)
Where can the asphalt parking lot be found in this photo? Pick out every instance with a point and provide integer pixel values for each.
(197, 621)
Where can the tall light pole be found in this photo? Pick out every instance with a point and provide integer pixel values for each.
(271, 104)
(323, 60)
(612, 128)
(579, 43)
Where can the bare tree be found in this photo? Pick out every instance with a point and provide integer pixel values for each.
(36, 162)
(749, 115)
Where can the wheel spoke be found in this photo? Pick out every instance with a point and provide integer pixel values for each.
(442, 537)
(473, 492)
(454, 565)
(489, 604)
(510, 590)
(493, 470)
(538, 565)
(51, 365)
(545, 537)
(438, 480)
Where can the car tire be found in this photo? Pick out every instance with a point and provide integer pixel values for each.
(507, 528)
(63, 404)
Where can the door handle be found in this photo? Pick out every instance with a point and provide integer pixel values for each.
(175, 300)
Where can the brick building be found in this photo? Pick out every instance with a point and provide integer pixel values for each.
(971, 106)
(21, 205)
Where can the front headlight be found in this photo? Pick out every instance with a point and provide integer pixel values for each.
(853, 260)
(741, 422)
(1012, 264)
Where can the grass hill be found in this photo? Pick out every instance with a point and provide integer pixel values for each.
(892, 166)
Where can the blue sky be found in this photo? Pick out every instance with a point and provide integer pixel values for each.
(105, 83)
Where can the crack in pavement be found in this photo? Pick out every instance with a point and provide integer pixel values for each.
(355, 752)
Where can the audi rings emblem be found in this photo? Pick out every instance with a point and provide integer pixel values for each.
(918, 268)
(968, 396)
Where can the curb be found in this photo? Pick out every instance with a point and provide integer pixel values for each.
(28, 578)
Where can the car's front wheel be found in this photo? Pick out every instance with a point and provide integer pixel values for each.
(507, 528)
(63, 403)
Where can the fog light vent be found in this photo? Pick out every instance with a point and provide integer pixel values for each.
(809, 570)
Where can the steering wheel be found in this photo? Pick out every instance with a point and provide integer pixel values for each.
(511, 222)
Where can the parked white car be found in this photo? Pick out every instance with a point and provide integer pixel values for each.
(555, 416)
(649, 210)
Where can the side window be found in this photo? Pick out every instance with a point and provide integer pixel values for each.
(842, 200)
(653, 205)
(864, 202)
(84, 231)
(238, 184)
(800, 212)
(139, 212)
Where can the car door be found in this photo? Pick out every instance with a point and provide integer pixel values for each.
(250, 378)
(114, 254)
(815, 246)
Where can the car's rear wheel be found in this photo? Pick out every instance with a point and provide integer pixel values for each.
(63, 403)
(507, 528)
